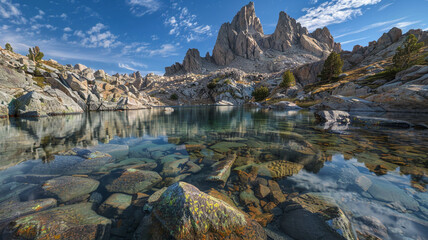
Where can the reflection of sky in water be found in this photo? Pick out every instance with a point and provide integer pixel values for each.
(338, 180)
(263, 131)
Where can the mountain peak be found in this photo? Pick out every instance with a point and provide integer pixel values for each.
(247, 21)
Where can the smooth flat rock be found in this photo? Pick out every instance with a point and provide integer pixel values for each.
(387, 192)
(12, 210)
(76, 221)
(67, 188)
(115, 205)
(132, 181)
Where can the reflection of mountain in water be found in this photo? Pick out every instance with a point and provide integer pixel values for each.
(24, 139)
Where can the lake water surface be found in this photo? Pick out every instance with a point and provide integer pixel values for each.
(377, 176)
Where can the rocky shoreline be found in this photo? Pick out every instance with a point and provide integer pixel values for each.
(244, 58)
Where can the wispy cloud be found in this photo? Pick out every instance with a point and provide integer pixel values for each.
(184, 24)
(383, 7)
(353, 40)
(132, 66)
(331, 12)
(11, 11)
(371, 26)
(127, 67)
(8, 9)
(142, 7)
(166, 50)
(401, 25)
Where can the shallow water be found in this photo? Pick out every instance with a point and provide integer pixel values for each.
(380, 173)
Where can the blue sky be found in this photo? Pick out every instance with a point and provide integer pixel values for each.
(147, 35)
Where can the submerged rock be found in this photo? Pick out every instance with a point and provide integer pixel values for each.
(115, 205)
(12, 210)
(184, 212)
(311, 216)
(279, 169)
(67, 188)
(77, 221)
(221, 170)
(132, 181)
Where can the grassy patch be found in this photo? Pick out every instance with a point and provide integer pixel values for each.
(307, 103)
(40, 81)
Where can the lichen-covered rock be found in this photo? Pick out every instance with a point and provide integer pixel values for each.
(12, 210)
(132, 181)
(77, 221)
(184, 212)
(332, 116)
(67, 188)
(312, 216)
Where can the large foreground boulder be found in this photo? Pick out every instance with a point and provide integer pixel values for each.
(312, 216)
(184, 212)
(77, 221)
(35, 104)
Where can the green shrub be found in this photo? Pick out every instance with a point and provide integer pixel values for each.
(288, 80)
(174, 97)
(35, 54)
(260, 93)
(405, 53)
(8, 47)
(227, 81)
(332, 67)
(211, 85)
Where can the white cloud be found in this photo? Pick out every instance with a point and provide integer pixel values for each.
(38, 16)
(8, 9)
(154, 37)
(383, 7)
(368, 27)
(96, 37)
(132, 66)
(334, 11)
(97, 28)
(63, 16)
(126, 66)
(67, 29)
(353, 40)
(401, 25)
(166, 50)
(11, 11)
(142, 7)
(184, 24)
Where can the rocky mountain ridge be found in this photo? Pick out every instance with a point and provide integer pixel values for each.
(243, 44)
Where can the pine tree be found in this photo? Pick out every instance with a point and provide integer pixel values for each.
(288, 80)
(35, 54)
(405, 52)
(9, 47)
(332, 67)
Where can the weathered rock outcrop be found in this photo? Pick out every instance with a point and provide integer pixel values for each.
(191, 63)
(244, 40)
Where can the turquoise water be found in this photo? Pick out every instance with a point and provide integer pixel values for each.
(371, 173)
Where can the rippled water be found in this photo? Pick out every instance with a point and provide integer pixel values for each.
(368, 172)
